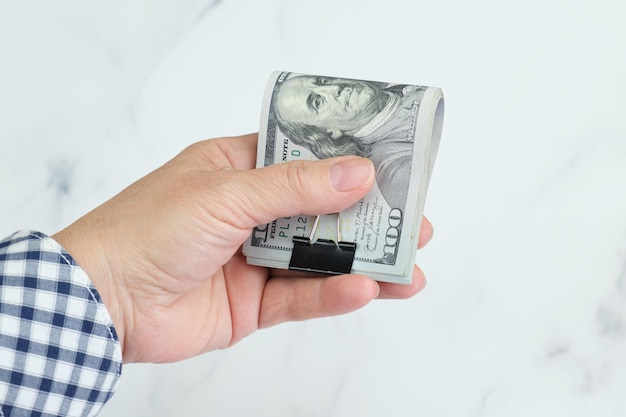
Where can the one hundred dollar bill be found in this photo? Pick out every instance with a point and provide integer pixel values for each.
(396, 126)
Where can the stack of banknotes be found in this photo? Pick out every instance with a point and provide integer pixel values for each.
(397, 126)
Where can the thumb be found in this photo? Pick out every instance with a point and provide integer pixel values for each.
(301, 187)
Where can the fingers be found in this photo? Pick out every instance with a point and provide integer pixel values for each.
(298, 187)
(286, 298)
(289, 299)
(397, 291)
(426, 233)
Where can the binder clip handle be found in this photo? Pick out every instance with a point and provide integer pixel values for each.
(323, 255)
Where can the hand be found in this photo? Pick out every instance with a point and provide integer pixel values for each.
(165, 254)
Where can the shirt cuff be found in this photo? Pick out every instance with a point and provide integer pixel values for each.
(59, 352)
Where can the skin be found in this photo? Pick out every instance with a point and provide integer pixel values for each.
(333, 105)
(165, 253)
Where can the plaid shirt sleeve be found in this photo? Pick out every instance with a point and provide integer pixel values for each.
(59, 353)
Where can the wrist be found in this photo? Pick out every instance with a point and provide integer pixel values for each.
(88, 250)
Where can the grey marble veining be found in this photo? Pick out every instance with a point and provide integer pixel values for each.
(525, 309)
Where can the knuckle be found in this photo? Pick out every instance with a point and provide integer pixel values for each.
(297, 178)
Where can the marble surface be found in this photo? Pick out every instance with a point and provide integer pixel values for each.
(525, 310)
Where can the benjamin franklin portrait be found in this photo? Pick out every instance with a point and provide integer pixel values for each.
(337, 116)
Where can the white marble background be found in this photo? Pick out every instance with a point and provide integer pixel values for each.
(525, 310)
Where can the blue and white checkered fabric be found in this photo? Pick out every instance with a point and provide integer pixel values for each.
(59, 353)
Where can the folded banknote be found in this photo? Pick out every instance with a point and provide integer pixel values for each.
(397, 126)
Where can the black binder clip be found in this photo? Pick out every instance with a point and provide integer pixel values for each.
(323, 255)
